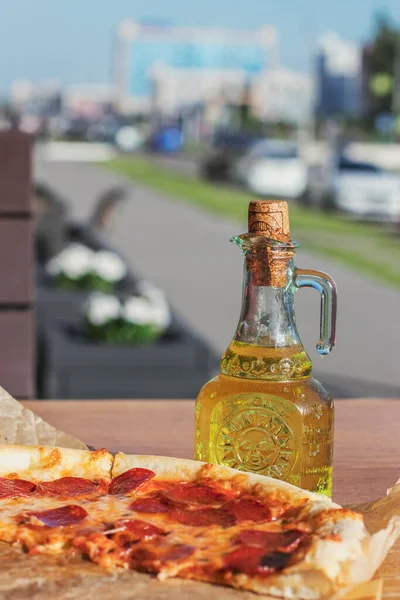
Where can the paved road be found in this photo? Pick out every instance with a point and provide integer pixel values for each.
(187, 253)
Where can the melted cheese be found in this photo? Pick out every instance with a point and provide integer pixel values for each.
(210, 543)
(92, 537)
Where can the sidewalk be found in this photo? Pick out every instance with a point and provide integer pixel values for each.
(187, 253)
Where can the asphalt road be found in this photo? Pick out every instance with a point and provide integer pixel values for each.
(187, 253)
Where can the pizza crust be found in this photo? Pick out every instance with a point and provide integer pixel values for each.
(44, 463)
(179, 468)
(343, 553)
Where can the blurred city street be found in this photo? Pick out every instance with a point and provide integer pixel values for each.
(149, 143)
(187, 253)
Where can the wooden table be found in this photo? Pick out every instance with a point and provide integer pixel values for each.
(367, 437)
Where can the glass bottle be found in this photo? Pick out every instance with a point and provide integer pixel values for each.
(264, 412)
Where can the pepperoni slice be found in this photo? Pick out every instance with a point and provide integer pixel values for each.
(286, 541)
(149, 505)
(244, 560)
(134, 531)
(249, 509)
(203, 517)
(16, 488)
(129, 481)
(155, 558)
(68, 486)
(193, 493)
(157, 485)
(255, 561)
(177, 553)
(62, 516)
(142, 529)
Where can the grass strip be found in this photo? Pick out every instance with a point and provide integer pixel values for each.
(327, 234)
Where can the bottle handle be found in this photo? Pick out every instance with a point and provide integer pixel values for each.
(328, 290)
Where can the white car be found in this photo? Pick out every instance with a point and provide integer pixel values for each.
(359, 188)
(273, 168)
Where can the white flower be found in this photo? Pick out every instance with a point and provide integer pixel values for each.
(161, 317)
(109, 266)
(102, 308)
(156, 296)
(53, 266)
(138, 311)
(74, 262)
(148, 289)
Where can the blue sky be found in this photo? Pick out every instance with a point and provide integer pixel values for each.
(70, 40)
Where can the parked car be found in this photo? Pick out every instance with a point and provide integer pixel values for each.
(74, 128)
(226, 149)
(273, 168)
(113, 128)
(167, 139)
(359, 188)
(109, 128)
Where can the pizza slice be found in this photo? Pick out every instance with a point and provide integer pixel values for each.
(182, 518)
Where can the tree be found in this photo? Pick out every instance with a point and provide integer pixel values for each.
(379, 65)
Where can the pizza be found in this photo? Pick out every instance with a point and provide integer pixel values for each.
(181, 518)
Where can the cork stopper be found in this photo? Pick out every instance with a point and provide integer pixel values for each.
(269, 219)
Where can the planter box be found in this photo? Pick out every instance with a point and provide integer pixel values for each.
(175, 366)
(54, 306)
(59, 304)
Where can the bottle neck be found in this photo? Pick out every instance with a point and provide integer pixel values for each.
(266, 344)
(267, 316)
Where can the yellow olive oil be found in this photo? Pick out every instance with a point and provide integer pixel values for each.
(248, 419)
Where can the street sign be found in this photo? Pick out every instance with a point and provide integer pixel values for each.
(384, 123)
(381, 84)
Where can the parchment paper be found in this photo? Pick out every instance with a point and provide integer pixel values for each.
(18, 425)
(377, 515)
(50, 577)
(58, 578)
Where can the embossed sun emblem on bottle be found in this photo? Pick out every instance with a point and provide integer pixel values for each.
(258, 441)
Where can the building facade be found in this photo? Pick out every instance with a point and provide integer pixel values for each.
(169, 68)
(282, 94)
(338, 78)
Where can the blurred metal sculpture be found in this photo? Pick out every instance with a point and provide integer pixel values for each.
(50, 214)
(106, 208)
(54, 228)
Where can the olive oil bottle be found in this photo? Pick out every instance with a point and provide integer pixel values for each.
(264, 413)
